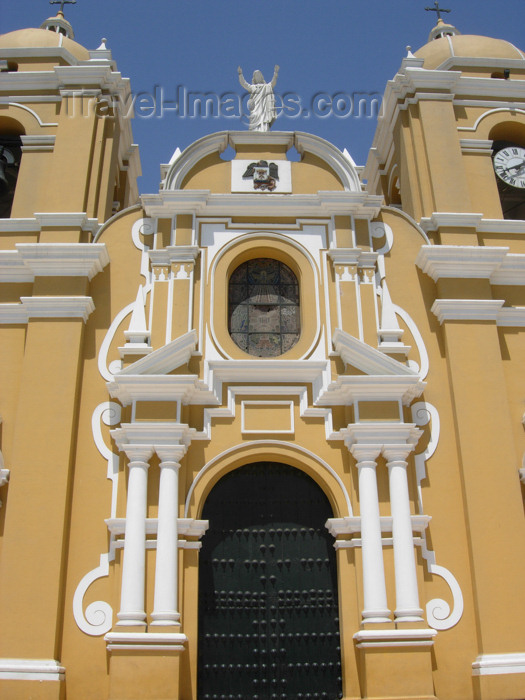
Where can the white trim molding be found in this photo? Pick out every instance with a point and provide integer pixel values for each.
(145, 641)
(63, 259)
(498, 664)
(376, 639)
(58, 307)
(450, 219)
(67, 219)
(477, 146)
(31, 670)
(465, 262)
(511, 270)
(353, 256)
(472, 262)
(43, 142)
(13, 313)
(512, 317)
(467, 309)
(168, 203)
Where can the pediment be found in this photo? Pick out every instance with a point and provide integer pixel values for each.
(166, 359)
(367, 359)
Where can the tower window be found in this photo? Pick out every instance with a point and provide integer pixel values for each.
(264, 312)
(509, 167)
(10, 154)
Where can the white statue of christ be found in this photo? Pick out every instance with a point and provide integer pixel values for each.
(262, 100)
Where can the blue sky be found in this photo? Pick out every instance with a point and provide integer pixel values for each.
(333, 49)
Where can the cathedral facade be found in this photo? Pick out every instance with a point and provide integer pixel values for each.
(262, 430)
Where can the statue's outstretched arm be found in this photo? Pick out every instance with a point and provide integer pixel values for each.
(242, 81)
(275, 74)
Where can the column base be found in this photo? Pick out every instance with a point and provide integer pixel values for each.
(144, 666)
(165, 619)
(395, 664)
(377, 617)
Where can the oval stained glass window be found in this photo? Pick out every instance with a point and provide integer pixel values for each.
(263, 307)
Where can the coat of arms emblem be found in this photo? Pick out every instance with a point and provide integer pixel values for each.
(264, 174)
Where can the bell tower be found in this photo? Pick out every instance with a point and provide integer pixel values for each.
(67, 163)
(450, 152)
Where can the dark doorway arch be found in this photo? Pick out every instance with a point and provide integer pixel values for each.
(268, 607)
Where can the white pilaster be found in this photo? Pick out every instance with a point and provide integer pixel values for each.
(166, 568)
(407, 597)
(133, 569)
(374, 589)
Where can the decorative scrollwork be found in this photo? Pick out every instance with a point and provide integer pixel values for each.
(98, 618)
(439, 615)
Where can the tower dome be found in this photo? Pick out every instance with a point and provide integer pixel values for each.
(42, 39)
(446, 42)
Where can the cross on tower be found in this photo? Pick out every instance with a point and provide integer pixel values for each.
(62, 3)
(437, 9)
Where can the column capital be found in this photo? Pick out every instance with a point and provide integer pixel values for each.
(170, 454)
(365, 453)
(138, 453)
(397, 453)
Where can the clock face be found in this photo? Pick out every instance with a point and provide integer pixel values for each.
(509, 165)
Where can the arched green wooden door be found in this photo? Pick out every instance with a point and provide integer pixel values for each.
(268, 609)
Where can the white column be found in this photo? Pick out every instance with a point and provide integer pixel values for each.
(407, 596)
(374, 589)
(133, 569)
(166, 568)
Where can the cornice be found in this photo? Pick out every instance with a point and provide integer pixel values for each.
(160, 387)
(31, 260)
(13, 314)
(63, 259)
(152, 434)
(508, 226)
(188, 527)
(465, 262)
(58, 307)
(348, 388)
(174, 254)
(13, 268)
(451, 220)
(39, 52)
(67, 220)
(353, 256)
(511, 317)
(466, 309)
(266, 138)
(351, 525)
(381, 435)
(476, 222)
(167, 203)
(50, 220)
(76, 76)
(511, 271)
(481, 62)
